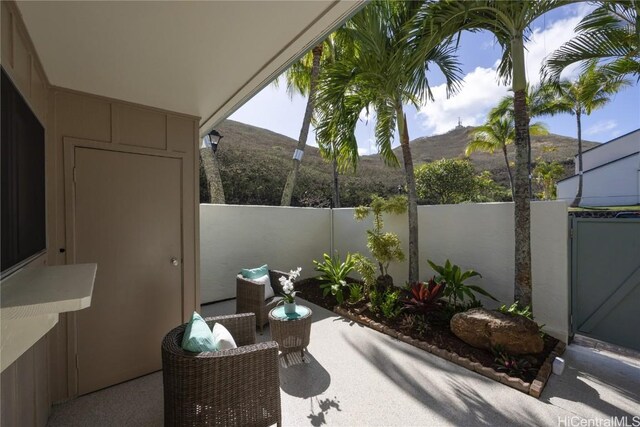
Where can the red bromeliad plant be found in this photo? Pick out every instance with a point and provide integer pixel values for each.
(423, 297)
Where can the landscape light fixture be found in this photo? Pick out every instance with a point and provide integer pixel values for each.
(211, 140)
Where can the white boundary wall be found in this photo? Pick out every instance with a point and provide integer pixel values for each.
(234, 237)
(474, 236)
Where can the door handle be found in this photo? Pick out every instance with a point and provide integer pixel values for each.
(174, 261)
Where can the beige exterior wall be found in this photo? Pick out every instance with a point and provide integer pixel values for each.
(474, 236)
(236, 237)
(46, 372)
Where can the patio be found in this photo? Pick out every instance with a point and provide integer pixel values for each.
(356, 376)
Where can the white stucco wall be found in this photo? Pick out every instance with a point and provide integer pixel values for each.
(235, 237)
(613, 184)
(610, 151)
(474, 236)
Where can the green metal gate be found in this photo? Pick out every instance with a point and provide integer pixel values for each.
(605, 280)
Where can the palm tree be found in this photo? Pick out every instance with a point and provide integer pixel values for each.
(590, 91)
(541, 101)
(510, 23)
(302, 77)
(609, 34)
(384, 74)
(496, 134)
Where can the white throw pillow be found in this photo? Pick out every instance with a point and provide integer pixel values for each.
(268, 290)
(222, 338)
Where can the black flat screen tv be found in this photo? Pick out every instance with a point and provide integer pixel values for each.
(22, 204)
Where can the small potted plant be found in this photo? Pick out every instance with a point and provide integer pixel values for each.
(288, 294)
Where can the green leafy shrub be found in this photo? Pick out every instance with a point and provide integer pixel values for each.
(376, 298)
(356, 292)
(456, 290)
(334, 274)
(515, 310)
(391, 306)
(385, 247)
(423, 297)
(367, 270)
(511, 365)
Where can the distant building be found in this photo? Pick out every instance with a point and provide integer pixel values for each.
(611, 174)
(459, 124)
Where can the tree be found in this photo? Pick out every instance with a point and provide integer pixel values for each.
(445, 181)
(510, 23)
(305, 82)
(384, 74)
(608, 34)
(496, 134)
(590, 91)
(385, 247)
(541, 101)
(547, 174)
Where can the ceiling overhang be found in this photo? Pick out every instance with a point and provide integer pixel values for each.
(199, 58)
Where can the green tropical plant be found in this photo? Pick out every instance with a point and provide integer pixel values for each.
(590, 91)
(385, 74)
(511, 365)
(334, 274)
(385, 247)
(510, 22)
(516, 310)
(496, 134)
(541, 101)
(390, 306)
(366, 269)
(455, 289)
(356, 292)
(547, 174)
(376, 297)
(487, 190)
(609, 34)
(423, 297)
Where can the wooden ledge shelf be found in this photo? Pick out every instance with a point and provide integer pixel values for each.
(31, 300)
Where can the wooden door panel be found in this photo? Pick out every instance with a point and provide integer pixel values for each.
(127, 212)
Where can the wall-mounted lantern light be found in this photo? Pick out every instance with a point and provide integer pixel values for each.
(211, 140)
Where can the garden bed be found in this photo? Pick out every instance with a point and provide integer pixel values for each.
(438, 339)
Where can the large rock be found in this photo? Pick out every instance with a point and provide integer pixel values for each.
(486, 329)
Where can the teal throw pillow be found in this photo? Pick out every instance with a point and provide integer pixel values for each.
(254, 273)
(197, 336)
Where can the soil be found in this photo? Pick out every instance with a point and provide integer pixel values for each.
(436, 333)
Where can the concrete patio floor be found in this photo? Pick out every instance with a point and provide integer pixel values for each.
(354, 376)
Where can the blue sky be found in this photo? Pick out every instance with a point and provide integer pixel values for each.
(273, 109)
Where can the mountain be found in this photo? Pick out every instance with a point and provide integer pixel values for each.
(254, 163)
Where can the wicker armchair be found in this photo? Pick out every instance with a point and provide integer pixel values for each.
(250, 297)
(238, 387)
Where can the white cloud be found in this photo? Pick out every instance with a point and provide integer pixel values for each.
(481, 90)
(602, 126)
(477, 96)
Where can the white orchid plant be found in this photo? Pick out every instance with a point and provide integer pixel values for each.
(289, 294)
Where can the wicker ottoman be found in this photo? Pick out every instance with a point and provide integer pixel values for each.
(292, 331)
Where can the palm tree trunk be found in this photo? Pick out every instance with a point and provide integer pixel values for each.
(529, 163)
(212, 170)
(506, 160)
(414, 269)
(336, 186)
(287, 193)
(522, 208)
(576, 201)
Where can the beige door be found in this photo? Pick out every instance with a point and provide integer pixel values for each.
(127, 211)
